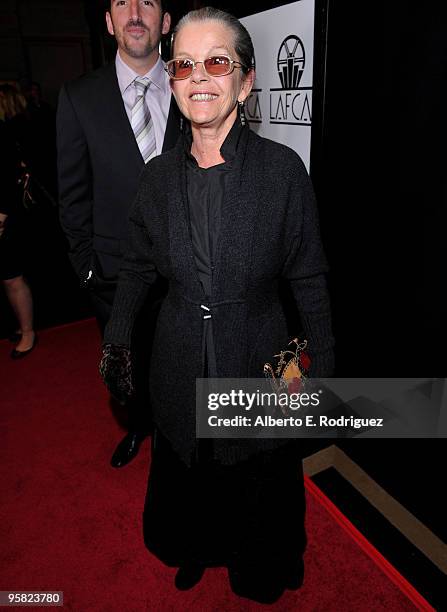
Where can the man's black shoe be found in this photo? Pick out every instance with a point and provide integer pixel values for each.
(127, 449)
(188, 576)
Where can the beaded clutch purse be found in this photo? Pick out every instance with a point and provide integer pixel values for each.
(291, 370)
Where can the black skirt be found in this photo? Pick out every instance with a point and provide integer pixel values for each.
(247, 514)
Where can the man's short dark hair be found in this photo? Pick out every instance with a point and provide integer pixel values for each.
(163, 3)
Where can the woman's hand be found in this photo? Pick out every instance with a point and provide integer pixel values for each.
(3, 218)
(116, 371)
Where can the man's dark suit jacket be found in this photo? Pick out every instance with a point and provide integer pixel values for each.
(99, 165)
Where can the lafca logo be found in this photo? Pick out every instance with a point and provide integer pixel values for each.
(291, 62)
(291, 104)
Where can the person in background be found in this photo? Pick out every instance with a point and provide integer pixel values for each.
(223, 217)
(13, 239)
(109, 124)
(43, 139)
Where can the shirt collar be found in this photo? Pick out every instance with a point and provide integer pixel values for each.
(126, 75)
(229, 146)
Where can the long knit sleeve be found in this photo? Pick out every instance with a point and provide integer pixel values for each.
(138, 273)
(305, 269)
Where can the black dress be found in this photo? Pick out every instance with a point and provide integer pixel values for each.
(13, 240)
(247, 514)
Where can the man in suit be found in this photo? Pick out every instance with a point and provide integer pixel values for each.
(109, 124)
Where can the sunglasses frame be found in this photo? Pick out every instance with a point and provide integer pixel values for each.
(233, 64)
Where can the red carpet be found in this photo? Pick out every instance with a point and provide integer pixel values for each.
(71, 523)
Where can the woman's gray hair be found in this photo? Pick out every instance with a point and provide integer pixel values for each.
(243, 44)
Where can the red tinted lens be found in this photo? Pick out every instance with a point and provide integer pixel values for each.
(180, 69)
(217, 65)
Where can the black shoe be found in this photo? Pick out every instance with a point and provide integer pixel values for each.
(15, 354)
(256, 585)
(127, 449)
(188, 576)
(295, 577)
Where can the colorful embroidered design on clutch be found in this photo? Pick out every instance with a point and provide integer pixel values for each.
(291, 370)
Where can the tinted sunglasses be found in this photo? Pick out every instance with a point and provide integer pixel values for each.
(217, 65)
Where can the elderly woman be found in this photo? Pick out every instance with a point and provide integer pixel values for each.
(223, 217)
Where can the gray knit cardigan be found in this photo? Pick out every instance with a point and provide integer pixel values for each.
(269, 230)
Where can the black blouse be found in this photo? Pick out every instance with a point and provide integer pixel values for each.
(206, 192)
(206, 189)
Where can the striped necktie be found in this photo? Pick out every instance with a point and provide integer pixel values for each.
(141, 121)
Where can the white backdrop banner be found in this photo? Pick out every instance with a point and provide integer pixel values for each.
(280, 105)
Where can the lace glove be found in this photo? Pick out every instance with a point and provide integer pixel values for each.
(116, 371)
